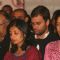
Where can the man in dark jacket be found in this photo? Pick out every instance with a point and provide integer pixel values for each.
(40, 19)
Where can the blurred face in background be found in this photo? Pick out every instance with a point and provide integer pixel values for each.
(58, 25)
(7, 9)
(3, 26)
(19, 14)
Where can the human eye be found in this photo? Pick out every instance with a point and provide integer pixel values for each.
(16, 33)
(38, 23)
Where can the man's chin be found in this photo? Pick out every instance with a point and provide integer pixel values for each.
(38, 33)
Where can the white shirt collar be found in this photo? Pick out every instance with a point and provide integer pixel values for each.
(43, 36)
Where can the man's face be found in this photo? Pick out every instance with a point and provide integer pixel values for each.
(3, 25)
(39, 25)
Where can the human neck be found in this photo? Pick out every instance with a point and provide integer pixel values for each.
(19, 52)
(43, 36)
(20, 44)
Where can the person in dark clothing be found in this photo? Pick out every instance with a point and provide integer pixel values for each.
(8, 11)
(41, 36)
(4, 44)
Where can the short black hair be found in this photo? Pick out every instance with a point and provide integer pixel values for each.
(41, 10)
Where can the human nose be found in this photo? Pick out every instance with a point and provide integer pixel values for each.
(12, 36)
(35, 27)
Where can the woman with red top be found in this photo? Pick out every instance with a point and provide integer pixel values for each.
(20, 49)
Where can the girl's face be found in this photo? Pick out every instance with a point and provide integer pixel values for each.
(16, 35)
(58, 25)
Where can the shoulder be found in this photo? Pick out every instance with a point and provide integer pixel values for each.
(31, 49)
(32, 53)
(53, 44)
(53, 47)
(7, 56)
(8, 53)
(52, 50)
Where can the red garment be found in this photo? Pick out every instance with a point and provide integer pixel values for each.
(52, 51)
(31, 54)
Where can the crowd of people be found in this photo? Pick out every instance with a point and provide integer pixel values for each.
(29, 37)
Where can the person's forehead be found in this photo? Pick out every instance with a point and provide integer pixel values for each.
(14, 28)
(37, 18)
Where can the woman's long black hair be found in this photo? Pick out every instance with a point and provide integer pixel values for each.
(21, 25)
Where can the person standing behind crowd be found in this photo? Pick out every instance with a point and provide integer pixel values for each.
(40, 19)
(8, 11)
(20, 50)
(20, 13)
(52, 51)
(4, 44)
